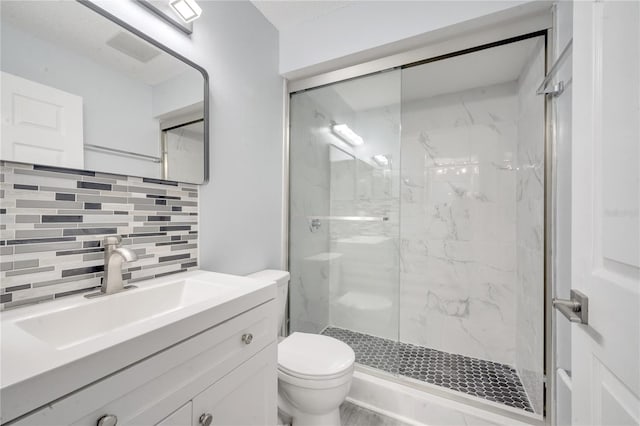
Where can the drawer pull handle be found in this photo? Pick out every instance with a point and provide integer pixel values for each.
(206, 419)
(107, 420)
(247, 338)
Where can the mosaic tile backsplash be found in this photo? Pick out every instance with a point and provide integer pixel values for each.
(53, 220)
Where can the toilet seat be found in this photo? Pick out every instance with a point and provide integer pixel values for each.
(311, 357)
(303, 376)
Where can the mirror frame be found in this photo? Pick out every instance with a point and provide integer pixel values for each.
(176, 55)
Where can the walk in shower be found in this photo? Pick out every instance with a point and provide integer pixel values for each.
(416, 215)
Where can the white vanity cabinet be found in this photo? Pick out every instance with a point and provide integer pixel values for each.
(224, 375)
(182, 416)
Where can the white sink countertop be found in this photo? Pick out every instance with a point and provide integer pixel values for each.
(52, 349)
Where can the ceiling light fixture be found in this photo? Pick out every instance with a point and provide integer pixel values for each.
(188, 10)
(346, 134)
(381, 160)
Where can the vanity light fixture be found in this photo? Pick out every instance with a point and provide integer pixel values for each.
(188, 10)
(381, 160)
(346, 134)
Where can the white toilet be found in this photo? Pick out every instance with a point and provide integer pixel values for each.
(314, 371)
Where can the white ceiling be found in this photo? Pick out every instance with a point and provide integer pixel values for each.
(284, 14)
(77, 28)
(483, 68)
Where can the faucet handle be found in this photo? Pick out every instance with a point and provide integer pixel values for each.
(112, 240)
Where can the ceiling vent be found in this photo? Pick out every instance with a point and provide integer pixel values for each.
(133, 47)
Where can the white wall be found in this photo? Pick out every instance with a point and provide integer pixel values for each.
(365, 25)
(240, 207)
(181, 92)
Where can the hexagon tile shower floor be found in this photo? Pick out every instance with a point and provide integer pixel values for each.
(485, 379)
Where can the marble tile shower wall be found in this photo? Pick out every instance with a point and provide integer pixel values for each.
(458, 223)
(310, 262)
(530, 232)
(53, 221)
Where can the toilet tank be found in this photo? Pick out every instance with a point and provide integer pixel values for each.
(281, 278)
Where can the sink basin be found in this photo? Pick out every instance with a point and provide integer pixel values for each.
(76, 324)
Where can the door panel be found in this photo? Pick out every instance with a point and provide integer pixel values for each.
(40, 124)
(614, 403)
(605, 212)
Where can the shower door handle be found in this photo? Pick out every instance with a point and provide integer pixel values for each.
(350, 218)
(315, 221)
(576, 309)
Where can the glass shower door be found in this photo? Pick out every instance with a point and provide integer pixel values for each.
(433, 271)
(344, 215)
(472, 223)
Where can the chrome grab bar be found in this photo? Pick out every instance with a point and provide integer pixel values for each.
(115, 151)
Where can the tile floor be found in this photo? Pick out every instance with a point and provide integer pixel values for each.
(354, 415)
(489, 380)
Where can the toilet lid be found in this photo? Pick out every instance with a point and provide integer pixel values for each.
(304, 354)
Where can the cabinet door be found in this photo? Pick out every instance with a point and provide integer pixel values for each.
(246, 396)
(180, 417)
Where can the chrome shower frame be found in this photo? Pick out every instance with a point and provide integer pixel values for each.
(455, 46)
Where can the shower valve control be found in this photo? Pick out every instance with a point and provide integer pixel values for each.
(576, 309)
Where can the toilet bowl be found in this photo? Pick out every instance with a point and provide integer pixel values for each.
(314, 371)
(314, 377)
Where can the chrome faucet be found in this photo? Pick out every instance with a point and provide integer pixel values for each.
(114, 256)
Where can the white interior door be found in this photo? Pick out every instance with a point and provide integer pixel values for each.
(605, 354)
(40, 124)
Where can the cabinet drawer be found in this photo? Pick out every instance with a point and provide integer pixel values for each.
(151, 389)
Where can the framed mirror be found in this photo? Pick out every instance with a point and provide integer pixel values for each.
(82, 89)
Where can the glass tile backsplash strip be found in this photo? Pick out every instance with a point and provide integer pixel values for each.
(53, 220)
